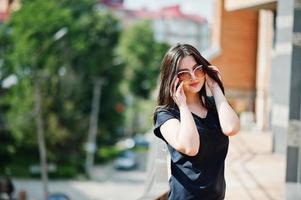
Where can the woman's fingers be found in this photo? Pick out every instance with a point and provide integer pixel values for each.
(177, 91)
(208, 80)
(175, 85)
(180, 88)
(216, 69)
(178, 94)
(171, 90)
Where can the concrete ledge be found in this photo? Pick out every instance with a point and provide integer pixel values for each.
(293, 191)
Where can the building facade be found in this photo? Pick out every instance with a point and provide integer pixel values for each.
(237, 56)
(6, 7)
(279, 62)
(169, 24)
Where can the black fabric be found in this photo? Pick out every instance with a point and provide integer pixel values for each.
(199, 177)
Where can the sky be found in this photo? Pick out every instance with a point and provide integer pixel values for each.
(199, 7)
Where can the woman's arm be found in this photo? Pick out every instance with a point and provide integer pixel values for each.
(228, 118)
(183, 136)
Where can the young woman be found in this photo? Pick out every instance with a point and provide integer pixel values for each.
(194, 118)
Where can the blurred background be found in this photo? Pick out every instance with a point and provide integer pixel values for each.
(78, 87)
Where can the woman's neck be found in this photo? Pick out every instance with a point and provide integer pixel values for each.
(192, 98)
(195, 105)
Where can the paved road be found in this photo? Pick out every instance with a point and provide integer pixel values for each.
(108, 184)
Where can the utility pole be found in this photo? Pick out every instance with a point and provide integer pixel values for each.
(91, 142)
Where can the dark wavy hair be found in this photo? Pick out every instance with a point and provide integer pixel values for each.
(168, 74)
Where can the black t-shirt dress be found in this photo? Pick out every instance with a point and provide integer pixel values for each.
(199, 177)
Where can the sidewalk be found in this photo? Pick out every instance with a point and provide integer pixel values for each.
(252, 171)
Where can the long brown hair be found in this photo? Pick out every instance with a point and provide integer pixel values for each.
(169, 69)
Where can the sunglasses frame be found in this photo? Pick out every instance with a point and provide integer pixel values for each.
(191, 73)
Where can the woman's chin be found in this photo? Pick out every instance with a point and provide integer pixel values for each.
(193, 89)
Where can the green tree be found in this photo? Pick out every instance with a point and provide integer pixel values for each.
(142, 55)
(63, 46)
(7, 140)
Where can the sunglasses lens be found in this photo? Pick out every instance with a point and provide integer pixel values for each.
(199, 72)
(184, 76)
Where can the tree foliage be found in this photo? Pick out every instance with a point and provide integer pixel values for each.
(66, 44)
(142, 55)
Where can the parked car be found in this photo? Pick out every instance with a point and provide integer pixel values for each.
(127, 160)
(58, 196)
(141, 141)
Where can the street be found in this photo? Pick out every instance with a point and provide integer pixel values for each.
(252, 173)
(107, 184)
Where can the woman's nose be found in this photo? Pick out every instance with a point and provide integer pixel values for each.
(193, 77)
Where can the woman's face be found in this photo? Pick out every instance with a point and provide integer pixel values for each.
(191, 74)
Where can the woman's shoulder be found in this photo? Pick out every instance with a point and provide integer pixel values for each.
(166, 110)
(170, 109)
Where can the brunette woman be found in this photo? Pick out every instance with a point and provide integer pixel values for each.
(195, 120)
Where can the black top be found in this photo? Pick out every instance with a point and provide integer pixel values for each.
(199, 177)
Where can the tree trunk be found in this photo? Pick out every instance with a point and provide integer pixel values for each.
(41, 139)
(91, 143)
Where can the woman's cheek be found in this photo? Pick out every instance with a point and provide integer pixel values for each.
(186, 87)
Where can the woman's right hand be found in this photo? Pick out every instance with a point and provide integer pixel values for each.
(177, 93)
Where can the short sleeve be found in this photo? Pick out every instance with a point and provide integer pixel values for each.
(161, 117)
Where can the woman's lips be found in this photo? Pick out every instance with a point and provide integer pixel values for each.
(194, 84)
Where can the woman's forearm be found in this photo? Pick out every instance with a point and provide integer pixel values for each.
(188, 136)
(228, 118)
